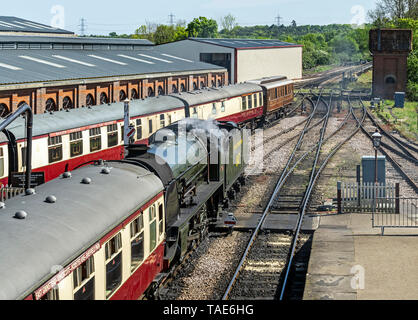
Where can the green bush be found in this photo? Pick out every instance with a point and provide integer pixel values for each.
(412, 91)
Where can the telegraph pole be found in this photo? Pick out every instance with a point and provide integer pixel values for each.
(278, 19)
(171, 17)
(82, 26)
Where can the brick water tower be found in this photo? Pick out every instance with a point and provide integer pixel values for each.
(390, 49)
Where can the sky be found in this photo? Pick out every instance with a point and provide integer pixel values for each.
(124, 16)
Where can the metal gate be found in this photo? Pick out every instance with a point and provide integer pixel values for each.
(407, 217)
(358, 198)
(388, 209)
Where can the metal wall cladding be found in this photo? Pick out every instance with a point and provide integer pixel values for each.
(368, 169)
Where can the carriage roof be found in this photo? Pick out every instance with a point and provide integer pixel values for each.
(55, 234)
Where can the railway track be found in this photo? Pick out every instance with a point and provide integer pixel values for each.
(397, 153)
(272, 266)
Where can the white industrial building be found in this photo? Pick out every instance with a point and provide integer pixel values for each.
(245, 59)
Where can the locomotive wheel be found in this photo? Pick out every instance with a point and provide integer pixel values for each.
(237, 187)
(225, 204)
(242, 181)
(231, 195)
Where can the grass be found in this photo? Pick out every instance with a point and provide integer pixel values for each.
(364, 81)
(405, 120)
(318, 69)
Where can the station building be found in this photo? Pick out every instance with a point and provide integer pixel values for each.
(52, 69)
(245, 59)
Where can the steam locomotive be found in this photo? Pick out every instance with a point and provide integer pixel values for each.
(115, 229)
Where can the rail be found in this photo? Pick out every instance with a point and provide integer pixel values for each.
(307, 197)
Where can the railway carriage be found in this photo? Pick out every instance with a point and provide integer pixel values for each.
(64, 140)
(84, 237)
(67, 139)
(241, 103)
(278, 94)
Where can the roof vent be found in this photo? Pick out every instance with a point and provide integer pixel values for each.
(51, 199)
(105, 170)
(86, 181)
(21, 215)
(30, 191)
(66, 175)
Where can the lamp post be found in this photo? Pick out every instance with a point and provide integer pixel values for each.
(377, 137)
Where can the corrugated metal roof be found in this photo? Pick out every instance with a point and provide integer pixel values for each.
(56, 234)
(28, 66)
(9, 39)
(247, 43)
(13, 24)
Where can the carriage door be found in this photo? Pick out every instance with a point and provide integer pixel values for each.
(13, 152)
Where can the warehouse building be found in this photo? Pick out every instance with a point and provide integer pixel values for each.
(17, 26)
(51, 73)
(245, 59)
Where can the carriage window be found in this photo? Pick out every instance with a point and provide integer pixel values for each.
(76, 144)
(214, 111)
(261, 98)
(162, 121)
(244, 103)
(150, 126)
(250, 102)
(51, 295)
(23, 156)
(194, 115)
(112, 135)
(137, 242)
(1, 163)
(55, 149)
(160, 219)
(153, 228)
(285, 90)
(95, 139)
(138, 129)
(83, 280)
(113, 251)
(223, 106)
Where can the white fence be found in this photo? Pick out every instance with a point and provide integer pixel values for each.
(355, 198)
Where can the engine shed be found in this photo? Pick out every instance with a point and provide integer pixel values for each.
(245, 59)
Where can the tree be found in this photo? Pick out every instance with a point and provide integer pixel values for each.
(294, 25)
(202, 27)
(145, 32)
(181, 33)
(393, 9)
(229, 22)
(164, 34)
